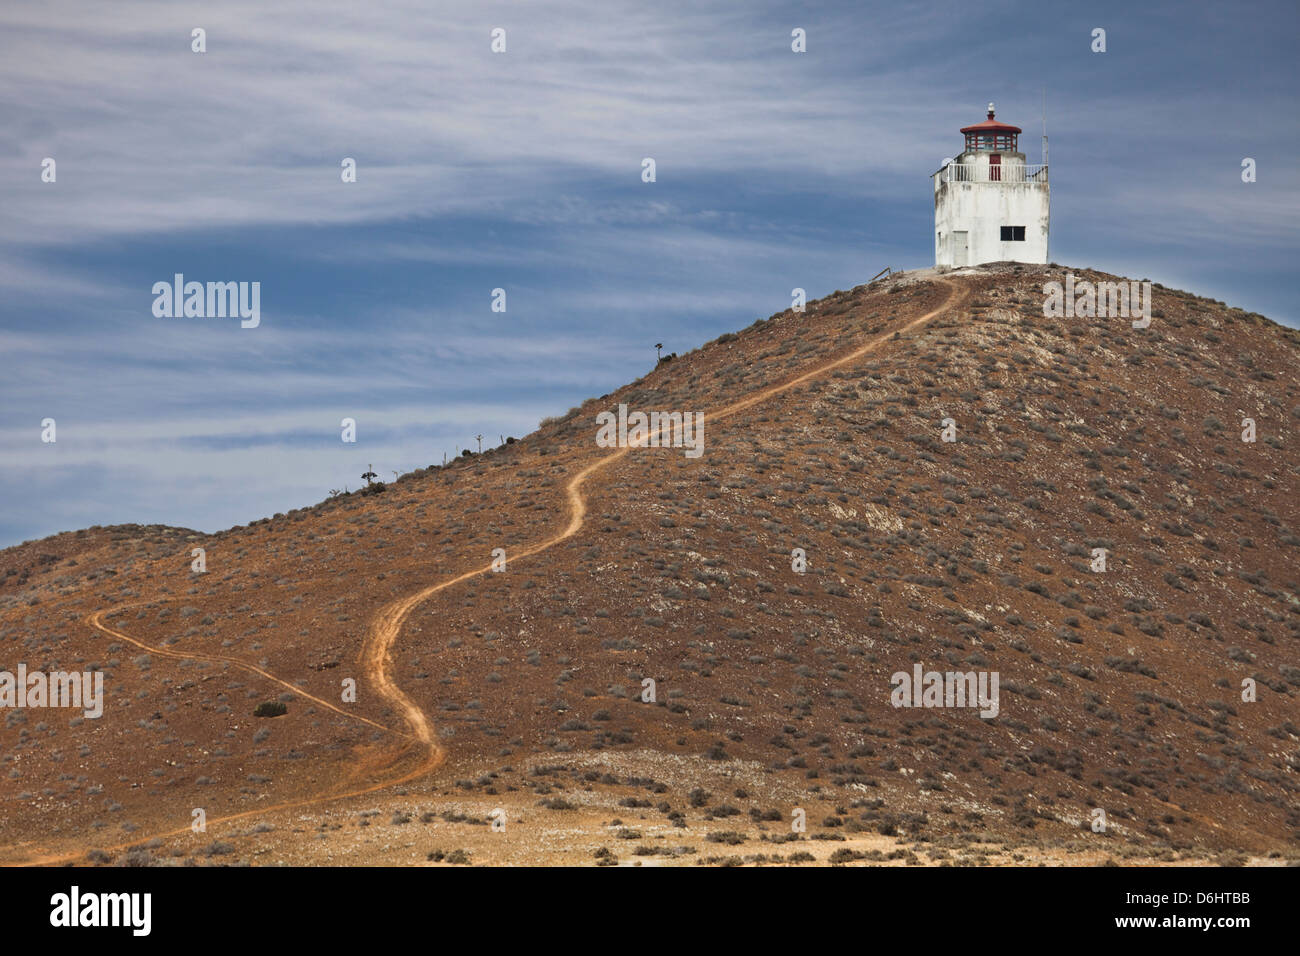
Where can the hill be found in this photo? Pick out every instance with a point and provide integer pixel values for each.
(521, 690)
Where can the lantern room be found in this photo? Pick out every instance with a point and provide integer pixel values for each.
(991, 136)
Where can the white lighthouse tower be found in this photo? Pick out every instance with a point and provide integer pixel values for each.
(989, 205)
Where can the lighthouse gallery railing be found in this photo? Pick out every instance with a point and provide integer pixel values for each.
(982, 173)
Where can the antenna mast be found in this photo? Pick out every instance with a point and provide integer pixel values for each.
(1044, 126)
(1048, 244)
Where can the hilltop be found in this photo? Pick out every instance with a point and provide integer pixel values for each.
(1121, 690)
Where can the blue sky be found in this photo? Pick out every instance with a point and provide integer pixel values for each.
(522, 171)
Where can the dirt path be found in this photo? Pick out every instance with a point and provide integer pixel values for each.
(376, 651)
(96, 621)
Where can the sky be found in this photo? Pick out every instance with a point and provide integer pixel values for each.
(522, 170)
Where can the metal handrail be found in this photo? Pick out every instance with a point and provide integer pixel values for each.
(1035, 173)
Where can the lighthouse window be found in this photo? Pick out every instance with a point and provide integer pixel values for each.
(991, 141)
(1013, 233)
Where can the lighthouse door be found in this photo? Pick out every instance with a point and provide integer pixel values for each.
(960, 248)
(995, 168)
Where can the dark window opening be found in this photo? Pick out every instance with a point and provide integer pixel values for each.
(1013, 233)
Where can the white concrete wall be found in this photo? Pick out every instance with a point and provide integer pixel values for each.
(981, 209)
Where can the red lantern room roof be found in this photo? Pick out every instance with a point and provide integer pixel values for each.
(991, 125)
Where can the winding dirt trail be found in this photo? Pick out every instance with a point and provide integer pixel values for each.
(376, 651)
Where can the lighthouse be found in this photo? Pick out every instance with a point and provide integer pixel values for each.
(989, 204)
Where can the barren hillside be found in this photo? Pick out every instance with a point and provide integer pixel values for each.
(476, 689)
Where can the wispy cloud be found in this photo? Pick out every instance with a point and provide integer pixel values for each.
(522, 171)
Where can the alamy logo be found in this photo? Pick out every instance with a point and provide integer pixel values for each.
(656, 430)
(57, 689)
(103, 909)
(950, 689)
(1105, 300)
(213, 300)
